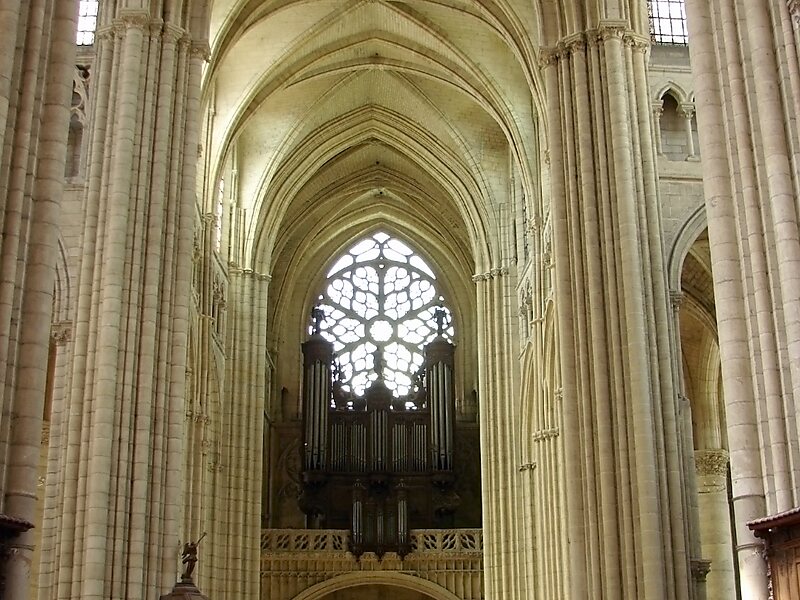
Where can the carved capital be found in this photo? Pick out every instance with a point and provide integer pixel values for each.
(546, 434)
(700, 568)
(201, 50)
(611, 31)
(61, 333)
(711, 462)
(574, 44)
(548, 57)
(131, 18)
(636, 42)
(676, 299)
(686, 110)
(491, 274)
(794, 10)
(173, 34)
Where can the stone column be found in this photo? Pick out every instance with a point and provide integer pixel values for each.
(623, 466)
(38, 49)
(687, 112)
(658, 112)
(246, 372)
(498, 391)
(120, 482)
(715, 523)
(745, 71)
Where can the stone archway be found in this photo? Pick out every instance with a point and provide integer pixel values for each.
(375, 586)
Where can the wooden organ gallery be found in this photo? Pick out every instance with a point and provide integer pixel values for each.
(380, 463)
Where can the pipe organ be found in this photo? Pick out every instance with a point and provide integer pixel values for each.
(378, 465)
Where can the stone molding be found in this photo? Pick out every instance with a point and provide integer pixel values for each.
(711, 462)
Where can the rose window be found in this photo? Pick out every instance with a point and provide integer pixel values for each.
(381, 298)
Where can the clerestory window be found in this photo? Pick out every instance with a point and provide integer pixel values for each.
(381, 299)
(668, 22)
(87, 22)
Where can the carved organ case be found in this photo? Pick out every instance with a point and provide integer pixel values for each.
(378, 456)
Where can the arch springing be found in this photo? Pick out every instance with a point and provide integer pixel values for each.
(382, 296)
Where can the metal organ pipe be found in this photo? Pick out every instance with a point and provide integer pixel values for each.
(439, 359)
(317, 356)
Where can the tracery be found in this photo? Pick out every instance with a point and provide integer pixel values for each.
(382, 296)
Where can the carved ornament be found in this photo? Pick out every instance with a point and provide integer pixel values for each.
(132, 19)
(711, 462)
(794, 10)
(491, 274)
(61, 333)
(700, 569)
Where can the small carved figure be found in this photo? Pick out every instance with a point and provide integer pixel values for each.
(440, 315)
(318, 316)
(189, 558)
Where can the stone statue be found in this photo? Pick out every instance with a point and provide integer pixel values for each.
(189, 558)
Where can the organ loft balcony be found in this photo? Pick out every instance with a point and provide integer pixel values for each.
(315, 563)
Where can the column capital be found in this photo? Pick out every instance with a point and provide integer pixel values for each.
(491, 274)
(676, 299)
(711, 462)
(657, 106)
(794, 9)
(61, 332)
(201, 50)
(700, 568)
(133, 18)
(686, 110)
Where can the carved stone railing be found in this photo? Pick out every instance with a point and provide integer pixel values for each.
(293, 560)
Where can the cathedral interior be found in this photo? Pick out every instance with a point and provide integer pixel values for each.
(409, 299)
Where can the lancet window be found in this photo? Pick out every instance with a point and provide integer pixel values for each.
(668, 22)
(87, 22)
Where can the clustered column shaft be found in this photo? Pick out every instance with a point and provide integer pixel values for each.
(499, 388)
(745, 62)
(36, 62)
(623, 465)
(120, 460)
